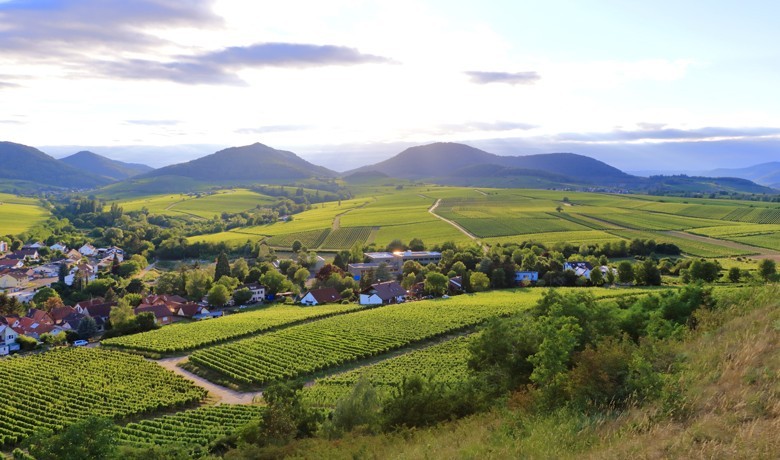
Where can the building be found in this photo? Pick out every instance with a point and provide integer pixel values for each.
(162, 315)
(84, 271)
(88, 250)
(320, 296)
(383, 293)
(59, 247)
(393, 260)
(579, 268)
(24, 254)
(13, 280)
(8, 340)
(11, 264)
(3, 247)
(35, 245)
(526, 277)
(258, 292)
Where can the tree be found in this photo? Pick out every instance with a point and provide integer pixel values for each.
(274, 281)
(128, 269)
(218, 295)
(223, 266)
(135, 286)
(436, 283)
(122, 314)
(625, 272)
(146, 321)
(300, 276)
(44, 294)
(52, 303)
(767, 269)
(416, 244)
(596, 277)
(115, 265)
(242, 296)
(296, 246)
(647, 273)
(87, 327)
(110, 295)
(479, 282)
(240, 269)
(198, 284)
(395, 245)
(229, 282)
(169, 283)
(92, 438)
(734, 274)
(62, 272)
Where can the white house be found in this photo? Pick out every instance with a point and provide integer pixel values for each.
(580, 268)
(3, 246)
(35, 245)
(383, 293)
(59, 247)
(85, 270)
(320, 296)
(12, 280)
(258, 292)
(7, 340)
(88, 250)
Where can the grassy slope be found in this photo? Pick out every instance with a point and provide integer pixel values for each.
(729, 407)
(19, 214)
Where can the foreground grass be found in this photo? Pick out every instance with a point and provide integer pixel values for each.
(725, 404)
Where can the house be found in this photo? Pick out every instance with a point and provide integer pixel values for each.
(8, 339)
(73, 256)
(172, 302)
(522, 277)
(11, 264)
(319, 296)
(58, 314)
(190, 310)
(32, 328)
(39, 316)
(83, 270)
(258, 292)
(36, 245)
(383, 293)
(72, 321)
(579, 268)
(162, 315)
(82, 306)
(3, 247)
(47, 271)
(24, 254)
(59, 247)
(88, 250)
(12, 280)
(455, 285)
(97, 308)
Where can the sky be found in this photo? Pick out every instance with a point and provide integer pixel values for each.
(662, 85)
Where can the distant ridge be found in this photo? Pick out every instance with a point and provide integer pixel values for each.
(250, 163)
(99, 165)
(20, 162)
(765, 173)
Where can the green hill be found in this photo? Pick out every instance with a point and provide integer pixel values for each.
(22, 164)
(105, 167)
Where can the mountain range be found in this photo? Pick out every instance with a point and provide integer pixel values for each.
(442, 163)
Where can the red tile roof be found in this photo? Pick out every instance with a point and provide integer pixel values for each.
(325, 295)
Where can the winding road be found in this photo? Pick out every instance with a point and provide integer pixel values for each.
(454, 224)
(225, 395)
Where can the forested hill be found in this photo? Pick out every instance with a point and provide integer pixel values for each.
(251, 163)
(27, 164)
(99, 165)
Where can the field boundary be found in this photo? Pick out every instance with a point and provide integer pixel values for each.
(432, 210)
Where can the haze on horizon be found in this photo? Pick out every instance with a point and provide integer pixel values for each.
(650, 86)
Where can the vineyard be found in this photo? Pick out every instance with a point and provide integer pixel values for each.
(335, 341)
(19, 214)
(688, 246)
(179, 338)
(57, 388)
(195, 428)
(311, 239)
(517, 226)
(345, 238)
(551, 239)
(445, 362)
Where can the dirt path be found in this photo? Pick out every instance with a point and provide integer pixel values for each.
(480, 191)
(225, 395)
(758, 253)
(463, 230)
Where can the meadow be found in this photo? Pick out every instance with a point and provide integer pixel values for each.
(19, 214)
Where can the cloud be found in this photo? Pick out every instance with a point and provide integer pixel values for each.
(653, 133)
(271, 129)
(6, 85)
(11, 122)
(153, 122)
(53, 28)
(510, 78)
(488, 126)
(219, 67)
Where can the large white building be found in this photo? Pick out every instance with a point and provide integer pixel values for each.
(393, 260)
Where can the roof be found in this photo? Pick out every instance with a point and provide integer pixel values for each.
(39, 316)
(253, 286)
(60, 313)
(386, 290)
(90, 302)
(457, 281)
(188, 309)
(17, 275)
(9, 262)
(575, 265)
(73, 320)
(325, 295)
(22, 253)
(102, 310)
(159, 311)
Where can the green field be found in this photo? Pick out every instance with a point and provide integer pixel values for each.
(200, 205)
(59, 387)
(179, 338)
(18, 214)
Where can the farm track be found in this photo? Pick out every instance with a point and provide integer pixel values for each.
(432, 210)
(225, 395)
(759, 252)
